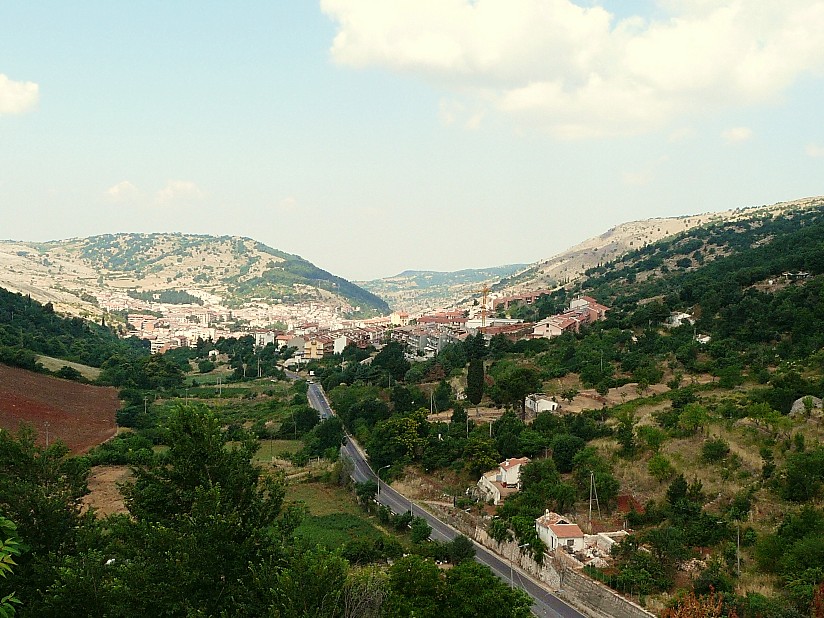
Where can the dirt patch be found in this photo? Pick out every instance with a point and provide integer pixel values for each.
(80, 415)
(104, 494)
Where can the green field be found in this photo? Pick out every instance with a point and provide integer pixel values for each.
(274, 448)
(334, 518)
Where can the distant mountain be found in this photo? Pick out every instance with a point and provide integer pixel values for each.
(72, 273)
(427, 289)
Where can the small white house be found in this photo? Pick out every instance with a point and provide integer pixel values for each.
(496, 485)
(538, 402)
(556, 531)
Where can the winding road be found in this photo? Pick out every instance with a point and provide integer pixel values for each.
(545, 604)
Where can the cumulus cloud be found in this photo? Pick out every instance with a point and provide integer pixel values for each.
(736, 135)
(177, 191)
(814, 150)
(123, 190)
(17, 97)
(580, 71)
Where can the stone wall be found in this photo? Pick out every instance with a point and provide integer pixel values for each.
(599, 600)
(561, 573)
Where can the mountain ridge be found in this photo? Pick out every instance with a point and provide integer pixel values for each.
(71, 273)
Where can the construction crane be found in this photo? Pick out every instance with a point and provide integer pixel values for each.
(485, 291)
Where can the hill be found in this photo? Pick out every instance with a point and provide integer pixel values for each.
(73, 274)
(628, 237)
(419, 290)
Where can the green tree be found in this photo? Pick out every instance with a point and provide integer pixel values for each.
(9, 548)
(475, 381)
(420, 530)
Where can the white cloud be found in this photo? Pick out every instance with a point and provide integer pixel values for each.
(580, 71)
(814, 150)
(177, 191)
(122, 191)
(17, 97)
(736, 135)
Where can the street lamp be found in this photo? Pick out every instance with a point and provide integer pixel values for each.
(378, 474)
(511, 578)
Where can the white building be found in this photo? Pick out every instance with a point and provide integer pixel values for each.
(498, 484)
(556, 531)
(538, 402)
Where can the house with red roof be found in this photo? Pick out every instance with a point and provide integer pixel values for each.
(557, 531)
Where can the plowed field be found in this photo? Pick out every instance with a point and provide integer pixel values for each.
(80, 415)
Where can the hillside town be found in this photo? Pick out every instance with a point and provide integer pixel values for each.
(317, 330)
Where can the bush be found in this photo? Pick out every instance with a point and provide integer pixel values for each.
(715, 450)
(660, 468)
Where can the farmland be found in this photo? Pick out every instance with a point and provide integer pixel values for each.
(78, 414)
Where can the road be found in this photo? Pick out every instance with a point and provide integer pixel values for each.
(546, 604)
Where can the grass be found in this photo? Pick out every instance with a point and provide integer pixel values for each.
(322, 499)
(336, 529)
(273, 448)
(334, 517)
(55, 364)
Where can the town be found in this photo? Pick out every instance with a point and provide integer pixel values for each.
(317, 330)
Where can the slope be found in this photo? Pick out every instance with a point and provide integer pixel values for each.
(73, 274)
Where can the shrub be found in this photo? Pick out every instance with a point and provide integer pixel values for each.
(715, 450)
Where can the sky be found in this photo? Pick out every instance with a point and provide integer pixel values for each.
(375, 136)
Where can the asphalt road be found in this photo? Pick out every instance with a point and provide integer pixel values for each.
(546, 604)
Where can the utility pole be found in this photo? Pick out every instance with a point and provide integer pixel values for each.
(511, 574)
(593, 490)
(378, 474)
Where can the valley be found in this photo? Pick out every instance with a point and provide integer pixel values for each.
(669, 396)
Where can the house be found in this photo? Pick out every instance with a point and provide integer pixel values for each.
(677, 318)
(264, 337)
(538, 402)
(339, 344)
(582, 310)
(399, 318)
(526, 298)
(497, 485)
(313, 348)
(556, 531)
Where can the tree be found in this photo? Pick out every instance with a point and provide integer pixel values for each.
(475, 381)
(474, 591)
(420, 530)
(460, 548)
(391, 358)
(442, 397)
(9, 548)
(513, 383)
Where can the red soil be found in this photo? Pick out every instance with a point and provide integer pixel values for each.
(80, 415)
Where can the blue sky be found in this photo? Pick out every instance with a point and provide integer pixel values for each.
(373, 136)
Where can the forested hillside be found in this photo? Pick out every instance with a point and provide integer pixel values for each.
(28, 328)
